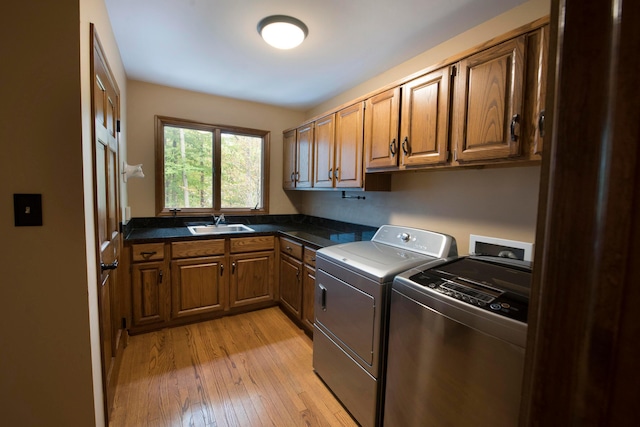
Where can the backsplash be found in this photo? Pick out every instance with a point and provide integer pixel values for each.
(497, 202)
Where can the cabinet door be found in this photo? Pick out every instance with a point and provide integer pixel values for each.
(349, 145)
(252, 278)
(308, 292)
(488, 103)
(323, 172)
(537, 59)
(381, 121)
(304, 138)
(425, 119)
(291, 285)
(289, 154)
(197, 286)
(150, 293)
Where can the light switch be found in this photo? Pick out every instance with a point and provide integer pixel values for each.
(27, 209)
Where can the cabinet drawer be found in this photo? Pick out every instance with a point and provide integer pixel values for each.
(197, 248)
(310, 257)
(251, 244)
(147, 252)
(290, 247)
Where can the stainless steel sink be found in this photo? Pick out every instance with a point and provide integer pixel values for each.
(199, 230)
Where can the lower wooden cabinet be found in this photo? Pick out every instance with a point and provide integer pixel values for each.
(252, 278)
(298, 281)
(179, 282)
(308, 292)
(291, 285)
(150, 293)
(197, 286)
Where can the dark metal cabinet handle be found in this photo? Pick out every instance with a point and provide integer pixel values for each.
(148, 255)
(330, 173)
(323, 297)
(405, 146)
(288, 248)
(514, 120)
(233, 268)
(392, 148)
(112, 266)
(297, 176)
(291, 176)
(336, 173)
(541, 123)
(221, 269)
(160, 276)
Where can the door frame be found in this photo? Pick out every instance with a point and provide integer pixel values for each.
(116, 295)
(584, 322)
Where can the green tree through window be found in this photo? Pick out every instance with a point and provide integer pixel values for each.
(207, 169)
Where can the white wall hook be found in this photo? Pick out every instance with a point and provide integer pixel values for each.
(132, 171)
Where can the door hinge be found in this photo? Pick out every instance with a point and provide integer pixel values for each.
(118, 126)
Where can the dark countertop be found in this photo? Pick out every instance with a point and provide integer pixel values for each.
(313, 231)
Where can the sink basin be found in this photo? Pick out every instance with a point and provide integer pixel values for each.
(199, 230)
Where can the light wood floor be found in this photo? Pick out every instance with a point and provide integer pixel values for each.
(252, 369)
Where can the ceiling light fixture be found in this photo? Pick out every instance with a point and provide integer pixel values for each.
(282, 32)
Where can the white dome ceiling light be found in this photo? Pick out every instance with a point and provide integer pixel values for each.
(282, 32)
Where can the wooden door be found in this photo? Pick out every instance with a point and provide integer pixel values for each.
(488, 103)
(304, 172)
(381, 126)
(106, 114)
(324, 147)
(291, 284)
(425, 119)
(290, 154)
(252, 278)
(583, 328)
(349, 146)
(197, 286)
(149, 293)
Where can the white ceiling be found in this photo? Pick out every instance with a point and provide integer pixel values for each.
(212, 46)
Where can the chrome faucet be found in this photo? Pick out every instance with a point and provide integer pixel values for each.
(218, 220)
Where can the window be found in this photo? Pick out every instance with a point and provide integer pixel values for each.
(202, 168)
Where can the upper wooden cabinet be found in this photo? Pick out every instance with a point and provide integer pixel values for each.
(488, 105)
(536, 84)
(485, 106)
(304, 171)
(425, 119)
(324, 151)
(349, 147)
(298, 157)
(338, 145)
(289, 159)
(381, 130)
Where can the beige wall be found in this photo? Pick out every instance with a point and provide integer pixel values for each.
(49, 352)
(146, 100)
(491, 202)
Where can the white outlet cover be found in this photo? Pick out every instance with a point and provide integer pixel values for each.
(525, 246)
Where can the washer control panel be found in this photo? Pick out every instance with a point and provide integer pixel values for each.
(504, 303)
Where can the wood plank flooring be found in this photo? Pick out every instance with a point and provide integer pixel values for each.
(252, 369)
